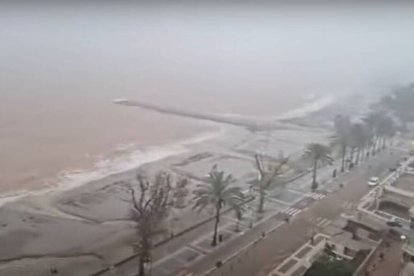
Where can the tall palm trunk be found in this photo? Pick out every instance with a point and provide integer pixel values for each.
(218, 208)
(380, 143)
(351, 157)
(358, 156)
(373, 148)
(141, 267)
(260, 207)
(315, 168)
(343, 158)
(364, 154)
(374, 145)
(238, 225)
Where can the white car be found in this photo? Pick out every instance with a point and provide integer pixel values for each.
(373, 181)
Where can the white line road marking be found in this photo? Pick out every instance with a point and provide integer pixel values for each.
(291, 211)
(316, 196)
(322, 222)
(347, 205)
(197, 249)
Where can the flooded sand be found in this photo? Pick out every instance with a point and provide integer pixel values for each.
(62, 67)
(42, 140)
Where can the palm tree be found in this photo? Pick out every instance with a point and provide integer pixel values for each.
(217, 191)
(267, 177)
(342, 136)
(360, 139)
(239, 209)
(386, 128)
(317, 153)
(372, 121)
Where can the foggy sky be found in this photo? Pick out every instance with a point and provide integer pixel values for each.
(217, 50)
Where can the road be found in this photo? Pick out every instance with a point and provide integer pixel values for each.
(308, 211)
(270, 251)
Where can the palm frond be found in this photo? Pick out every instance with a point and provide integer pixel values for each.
(217, 189)
(315, 151)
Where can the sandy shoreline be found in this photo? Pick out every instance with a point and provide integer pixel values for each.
(88, 227)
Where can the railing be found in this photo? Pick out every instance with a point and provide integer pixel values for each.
(409, 248)
(387, 182)
(362, 267)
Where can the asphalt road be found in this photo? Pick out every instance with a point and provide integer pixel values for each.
(270, 251)
(280, 240)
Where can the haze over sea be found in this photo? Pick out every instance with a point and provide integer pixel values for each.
(62, 66)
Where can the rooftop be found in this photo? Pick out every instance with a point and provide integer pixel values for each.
(408, 269)
(409, 244)
(405, 182)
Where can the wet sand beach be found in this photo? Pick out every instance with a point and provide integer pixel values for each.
(89, 227)
(273, 77)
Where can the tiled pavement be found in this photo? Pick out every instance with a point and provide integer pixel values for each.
(264, 255)
(282, 203)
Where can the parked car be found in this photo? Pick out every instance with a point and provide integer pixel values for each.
(393, 223)
(373, 181)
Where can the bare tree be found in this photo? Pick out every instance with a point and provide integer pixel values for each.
(150, 208)
(267, 176)
(180, 193)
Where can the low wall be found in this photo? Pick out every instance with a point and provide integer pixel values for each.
(399, 196)
(363, 267)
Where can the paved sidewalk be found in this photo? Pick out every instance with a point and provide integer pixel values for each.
(192, 251)
(264, 254)
(391, 263)
(183, 251)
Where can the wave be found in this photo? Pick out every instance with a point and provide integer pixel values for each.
(304, 110)
(129, 157)
(309, 108)
(104, 167)
(10, 197)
